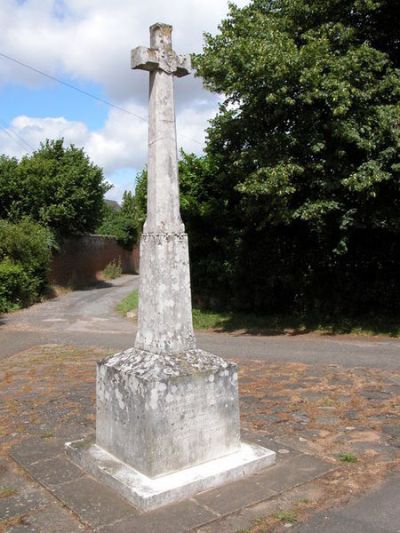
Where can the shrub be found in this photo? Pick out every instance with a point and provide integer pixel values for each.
(14, 286)
(25, 253)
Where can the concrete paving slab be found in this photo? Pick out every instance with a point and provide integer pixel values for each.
(23, 503)
(287, 473)
(34, 449)
(52, 519)
(174, 518)
(54, 471)
(95, 504)
(147, 493)
(234, 496)
(292, 470)
(100, 507)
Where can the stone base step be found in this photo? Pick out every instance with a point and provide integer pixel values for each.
(147, 493)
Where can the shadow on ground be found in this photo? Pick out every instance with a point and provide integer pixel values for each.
(100, 284)
(253, 324)
(53, 292)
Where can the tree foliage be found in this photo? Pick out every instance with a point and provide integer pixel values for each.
(25, 253)
(56, 186)
(299, 190)
(120, 222)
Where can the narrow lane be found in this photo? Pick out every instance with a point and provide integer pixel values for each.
(88, 318)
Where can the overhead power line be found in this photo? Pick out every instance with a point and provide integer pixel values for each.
(14, 136)
(86, 93)
(70, 86)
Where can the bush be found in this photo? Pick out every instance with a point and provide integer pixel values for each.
(14, 286)
(25, 253)
(120, 222)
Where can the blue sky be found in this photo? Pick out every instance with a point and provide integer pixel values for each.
(53, 100)
(87, 44)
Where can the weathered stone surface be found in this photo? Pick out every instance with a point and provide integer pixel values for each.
(291, 471)
(391, 429)
(35, 449)
(144, 58)
(234, 496)
(165, 309)
(21, 504)
(52, 519)
(161, 413)
(150, 493)
(164, 314)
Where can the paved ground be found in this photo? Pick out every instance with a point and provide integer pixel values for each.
(309, 413)
(375, 512)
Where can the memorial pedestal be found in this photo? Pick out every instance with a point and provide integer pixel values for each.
(162, 413)
(167, 427)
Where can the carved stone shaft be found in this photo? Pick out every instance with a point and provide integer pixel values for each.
(165, 314)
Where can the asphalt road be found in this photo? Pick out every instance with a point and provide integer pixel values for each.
(88, 317)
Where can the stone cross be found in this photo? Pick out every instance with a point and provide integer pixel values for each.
(167, 423)
(164, 315)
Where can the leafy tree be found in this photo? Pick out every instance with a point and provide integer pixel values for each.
(56, 186)
(301, 176)
(140, 201)
(120, 222)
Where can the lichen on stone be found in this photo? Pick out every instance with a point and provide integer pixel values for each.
(154, 367)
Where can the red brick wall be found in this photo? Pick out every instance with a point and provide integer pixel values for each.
(82, 260)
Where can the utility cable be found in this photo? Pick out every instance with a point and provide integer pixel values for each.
(14, 136)
(86, 93)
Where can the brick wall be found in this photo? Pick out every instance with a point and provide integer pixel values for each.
(82, 260)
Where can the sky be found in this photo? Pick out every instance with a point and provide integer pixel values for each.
(87, 44)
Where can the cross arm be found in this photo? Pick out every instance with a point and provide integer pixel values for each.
(183, 66)
(144, 58)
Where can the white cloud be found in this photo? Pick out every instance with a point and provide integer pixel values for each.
(92, 40)
(25, 132)
(121, 143)
(122, 180)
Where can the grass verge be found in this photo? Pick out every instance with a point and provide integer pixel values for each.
(257, 324)
(129, 303)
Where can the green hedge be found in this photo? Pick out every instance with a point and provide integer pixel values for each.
(15, 287)
(25, 253)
